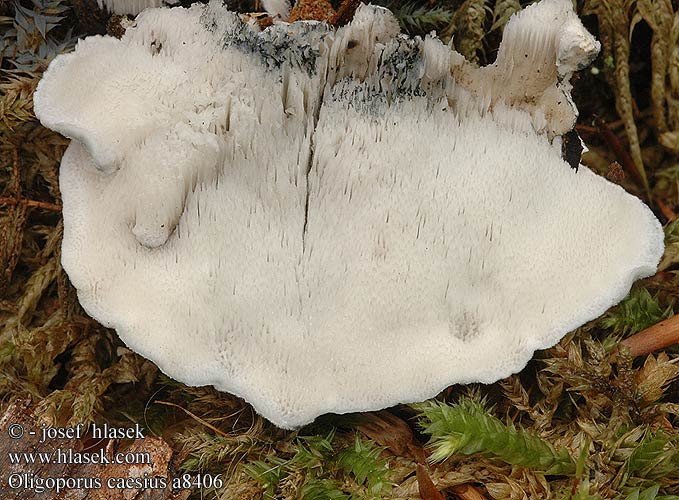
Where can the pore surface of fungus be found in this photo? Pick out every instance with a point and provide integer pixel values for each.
(132, 7)
(325, 220)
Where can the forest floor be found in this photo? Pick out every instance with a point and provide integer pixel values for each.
(588, 418)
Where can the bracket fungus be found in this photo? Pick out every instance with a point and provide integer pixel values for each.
(335, 220)
(132, 7)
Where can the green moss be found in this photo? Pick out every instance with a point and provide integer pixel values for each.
(467, 428)
(638, 311)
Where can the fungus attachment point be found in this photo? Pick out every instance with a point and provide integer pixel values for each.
(306, 217)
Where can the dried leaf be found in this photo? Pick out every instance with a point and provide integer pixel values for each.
(426, 486)
(387, 430)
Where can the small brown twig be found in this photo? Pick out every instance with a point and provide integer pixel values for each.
(586, 129)
(16, 183)
(15, 190)
(6, 200)
(195, 417)
(658, 336)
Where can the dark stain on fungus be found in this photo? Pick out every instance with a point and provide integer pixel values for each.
(273, 47)
(571, 149)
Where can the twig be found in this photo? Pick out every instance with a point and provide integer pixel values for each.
(658, 336)
(6, 200)
(637, 116)
(16, 187)
(581, 128)
(195, 417)
(17, 198)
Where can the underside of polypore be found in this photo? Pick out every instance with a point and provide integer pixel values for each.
(335, 221)
(277, 9)
(132, 7)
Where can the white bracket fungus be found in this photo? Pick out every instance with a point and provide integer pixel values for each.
(132, 7)
(327, 220)
(278, 9)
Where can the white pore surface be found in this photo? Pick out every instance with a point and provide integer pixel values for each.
(132, 7)
(324, 221)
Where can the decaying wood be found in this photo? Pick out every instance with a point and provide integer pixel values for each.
(21, 415)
